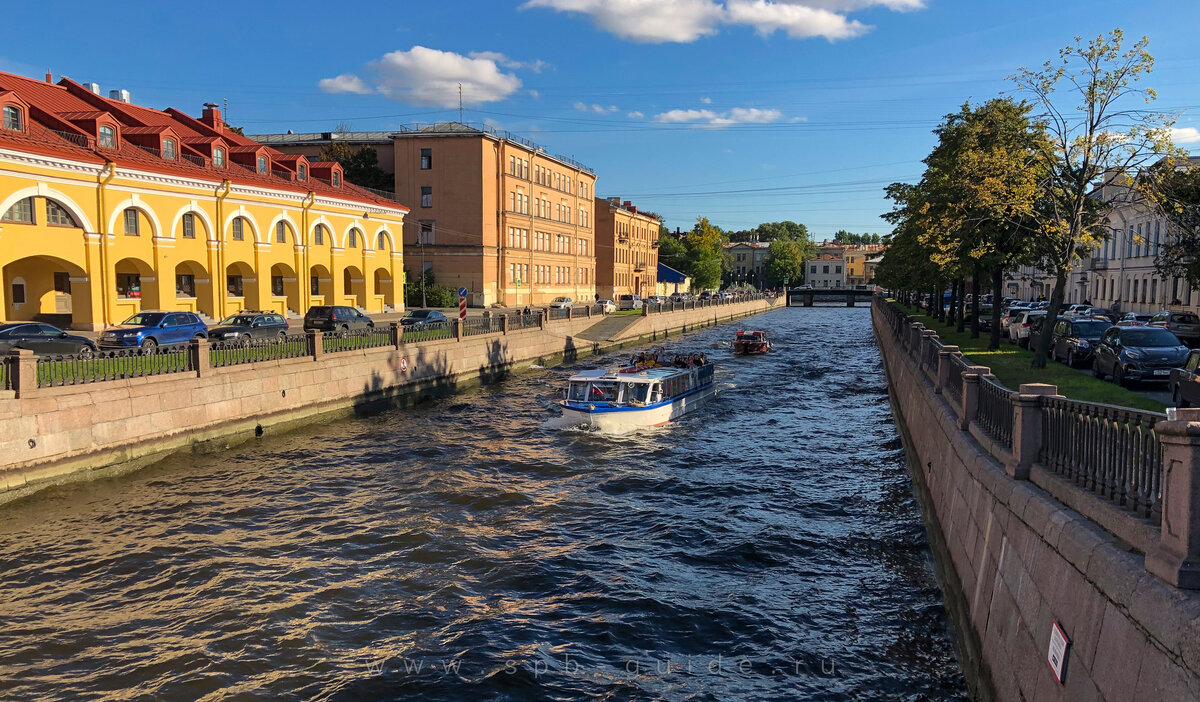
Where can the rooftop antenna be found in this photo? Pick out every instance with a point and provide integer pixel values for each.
(460, 115)
(225, 108)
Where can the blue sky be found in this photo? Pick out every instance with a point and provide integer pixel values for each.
(744, 111)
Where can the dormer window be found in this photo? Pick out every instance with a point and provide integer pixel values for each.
(13, 118)
(337, 179)
(219, 157)
(168, 150)
(262, 164)
(302, 172)
(108, 137)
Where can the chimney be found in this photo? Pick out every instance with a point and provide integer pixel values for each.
(49, 76)
(212, 116)
(628, 204)
(94, 87)
(119, 95)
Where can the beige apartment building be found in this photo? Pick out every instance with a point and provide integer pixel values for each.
(626, 250)
(490, 211)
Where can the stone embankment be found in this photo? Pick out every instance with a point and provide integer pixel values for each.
(57, 423)
(1049, 515)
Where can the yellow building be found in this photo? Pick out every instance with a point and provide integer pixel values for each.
(626, 250)
(108, 208)
(858, 257)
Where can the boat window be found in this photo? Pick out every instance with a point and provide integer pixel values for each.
(578, 392)
(637, 392)
(603, 392)
(656, 395)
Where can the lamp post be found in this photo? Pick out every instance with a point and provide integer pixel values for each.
(421, 240)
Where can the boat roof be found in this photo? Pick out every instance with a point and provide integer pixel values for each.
(644, 375)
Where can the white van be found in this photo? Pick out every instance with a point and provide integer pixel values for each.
(629, 302)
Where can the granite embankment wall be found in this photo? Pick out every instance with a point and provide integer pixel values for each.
(1015, 559)
(55, 433)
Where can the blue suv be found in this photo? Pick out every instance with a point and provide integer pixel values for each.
(149, 330)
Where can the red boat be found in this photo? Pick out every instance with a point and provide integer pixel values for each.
(751, 342)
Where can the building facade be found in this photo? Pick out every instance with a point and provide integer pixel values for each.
(859, 267)
(825, 271)
(748, 263)
(108, 208)
(626, 250)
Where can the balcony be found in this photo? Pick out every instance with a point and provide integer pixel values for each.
(654, 244)
(623, 238)
(639, 267)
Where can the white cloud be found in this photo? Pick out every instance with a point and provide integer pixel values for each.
(345, 83)
(423, 76)
(503, 60)
(656, 21)
(706, 100)
(599, 109)
(1185, 135)
(646, 21)
(738, 115)
(635, 115)
(535, 95)
(798, 21)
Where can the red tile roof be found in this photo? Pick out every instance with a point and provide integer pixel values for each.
(57, 104)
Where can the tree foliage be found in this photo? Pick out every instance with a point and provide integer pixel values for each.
(704, 258)
(361, 166)
(785, 261)
(1173, 189)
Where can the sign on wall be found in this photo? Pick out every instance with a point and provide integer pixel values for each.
(1057, 655)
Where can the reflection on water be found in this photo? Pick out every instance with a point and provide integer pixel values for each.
(764, 548)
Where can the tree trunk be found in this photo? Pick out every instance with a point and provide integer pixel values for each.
(975, 302)
(960, 309)
(1042, 352)
(997, 282)
(953, 306)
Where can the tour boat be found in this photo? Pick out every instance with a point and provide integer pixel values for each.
(751, 342)
(649, 392)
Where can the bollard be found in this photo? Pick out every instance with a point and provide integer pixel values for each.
(199, 357)
(396, 333)
(1027, 427)
(927, 336)
(970, 395)
(316, 344)
(913, 342)
(458, 329)
(504, 323)
(1176, 558)
(945, 364)
(23, 366)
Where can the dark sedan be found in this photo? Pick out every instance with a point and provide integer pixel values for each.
(43, 339)
(418, 317)
(1138, 353)
(1074, 340)
(1185, 382)
(248, 325)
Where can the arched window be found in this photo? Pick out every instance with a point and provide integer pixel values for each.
(239, 229)
(280, 232)
(302, 172)
(108, 137)
(353, 240)
(262, 164)
(382, 242)
(21, 212)
(219, 157)
(57, 214)
(169, 149)
(13, 118)
(319, 235)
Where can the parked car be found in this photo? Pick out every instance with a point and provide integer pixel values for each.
(562, 303)
(151, 329)
(1075, 310)
(1038, 326)
(680, 297)
(1185, 325)
(985, 317)
(330, 318)
(43, 339)
(1138, 353)
(606, 306)
(1134, 319)
(1073, 341)
(422, 317)
(1185, 382)
(1018, 331)
(706, 295)
(629, 302)
(1098, 312)
(1014, 311)
(248, 325)
(657, 300)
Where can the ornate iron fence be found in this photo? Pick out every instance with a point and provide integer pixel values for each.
(995, 414)
(473, 326)
(85, 368)
(524, 321)
(236, 353)
(427, 332)
(357, 339)
(1111, 451)
(559, 313)
(955, 386)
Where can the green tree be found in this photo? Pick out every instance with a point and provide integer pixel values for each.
(1100, 134)
(434, 295)
(671, 251)
(785, 262)
(786, 230)
(705, 254)
(361, 166)
(1173, 190)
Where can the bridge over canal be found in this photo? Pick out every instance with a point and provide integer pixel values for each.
(806, 297)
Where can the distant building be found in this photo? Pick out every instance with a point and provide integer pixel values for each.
(626, 249)
(826, 271)
(748, 262)
(671, 281)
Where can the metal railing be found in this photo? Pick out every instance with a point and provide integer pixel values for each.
(236, 353)
(427, 332)
(957, 366)
(80, 369)
(473, 326)
(524, 321)
(356, 339)
(77, 139)
(995, 413)
(1111, 451)
(558, 313)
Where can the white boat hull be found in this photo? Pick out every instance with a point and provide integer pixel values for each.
(620, 419)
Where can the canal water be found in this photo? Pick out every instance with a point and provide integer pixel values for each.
(765, 548)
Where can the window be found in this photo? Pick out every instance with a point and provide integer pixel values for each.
(168, 150)
(239, 231)
(185, 285)
(262, 164)
(12, 118)
(21, 212)
(56, 214)
(426, 196)
(219, 158)
(302, 172)
(277, 286)
(319, 235)
(189, 226)
(426, 159)
(108, 137)
(233, 283)
(352, 241)
(62, 282)
(824, 269)
(425, 232)
(336, 179)
(382, 242)
(18, 293)
(280, 233)
(131, 222)
(314, 285)
(129, 285)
